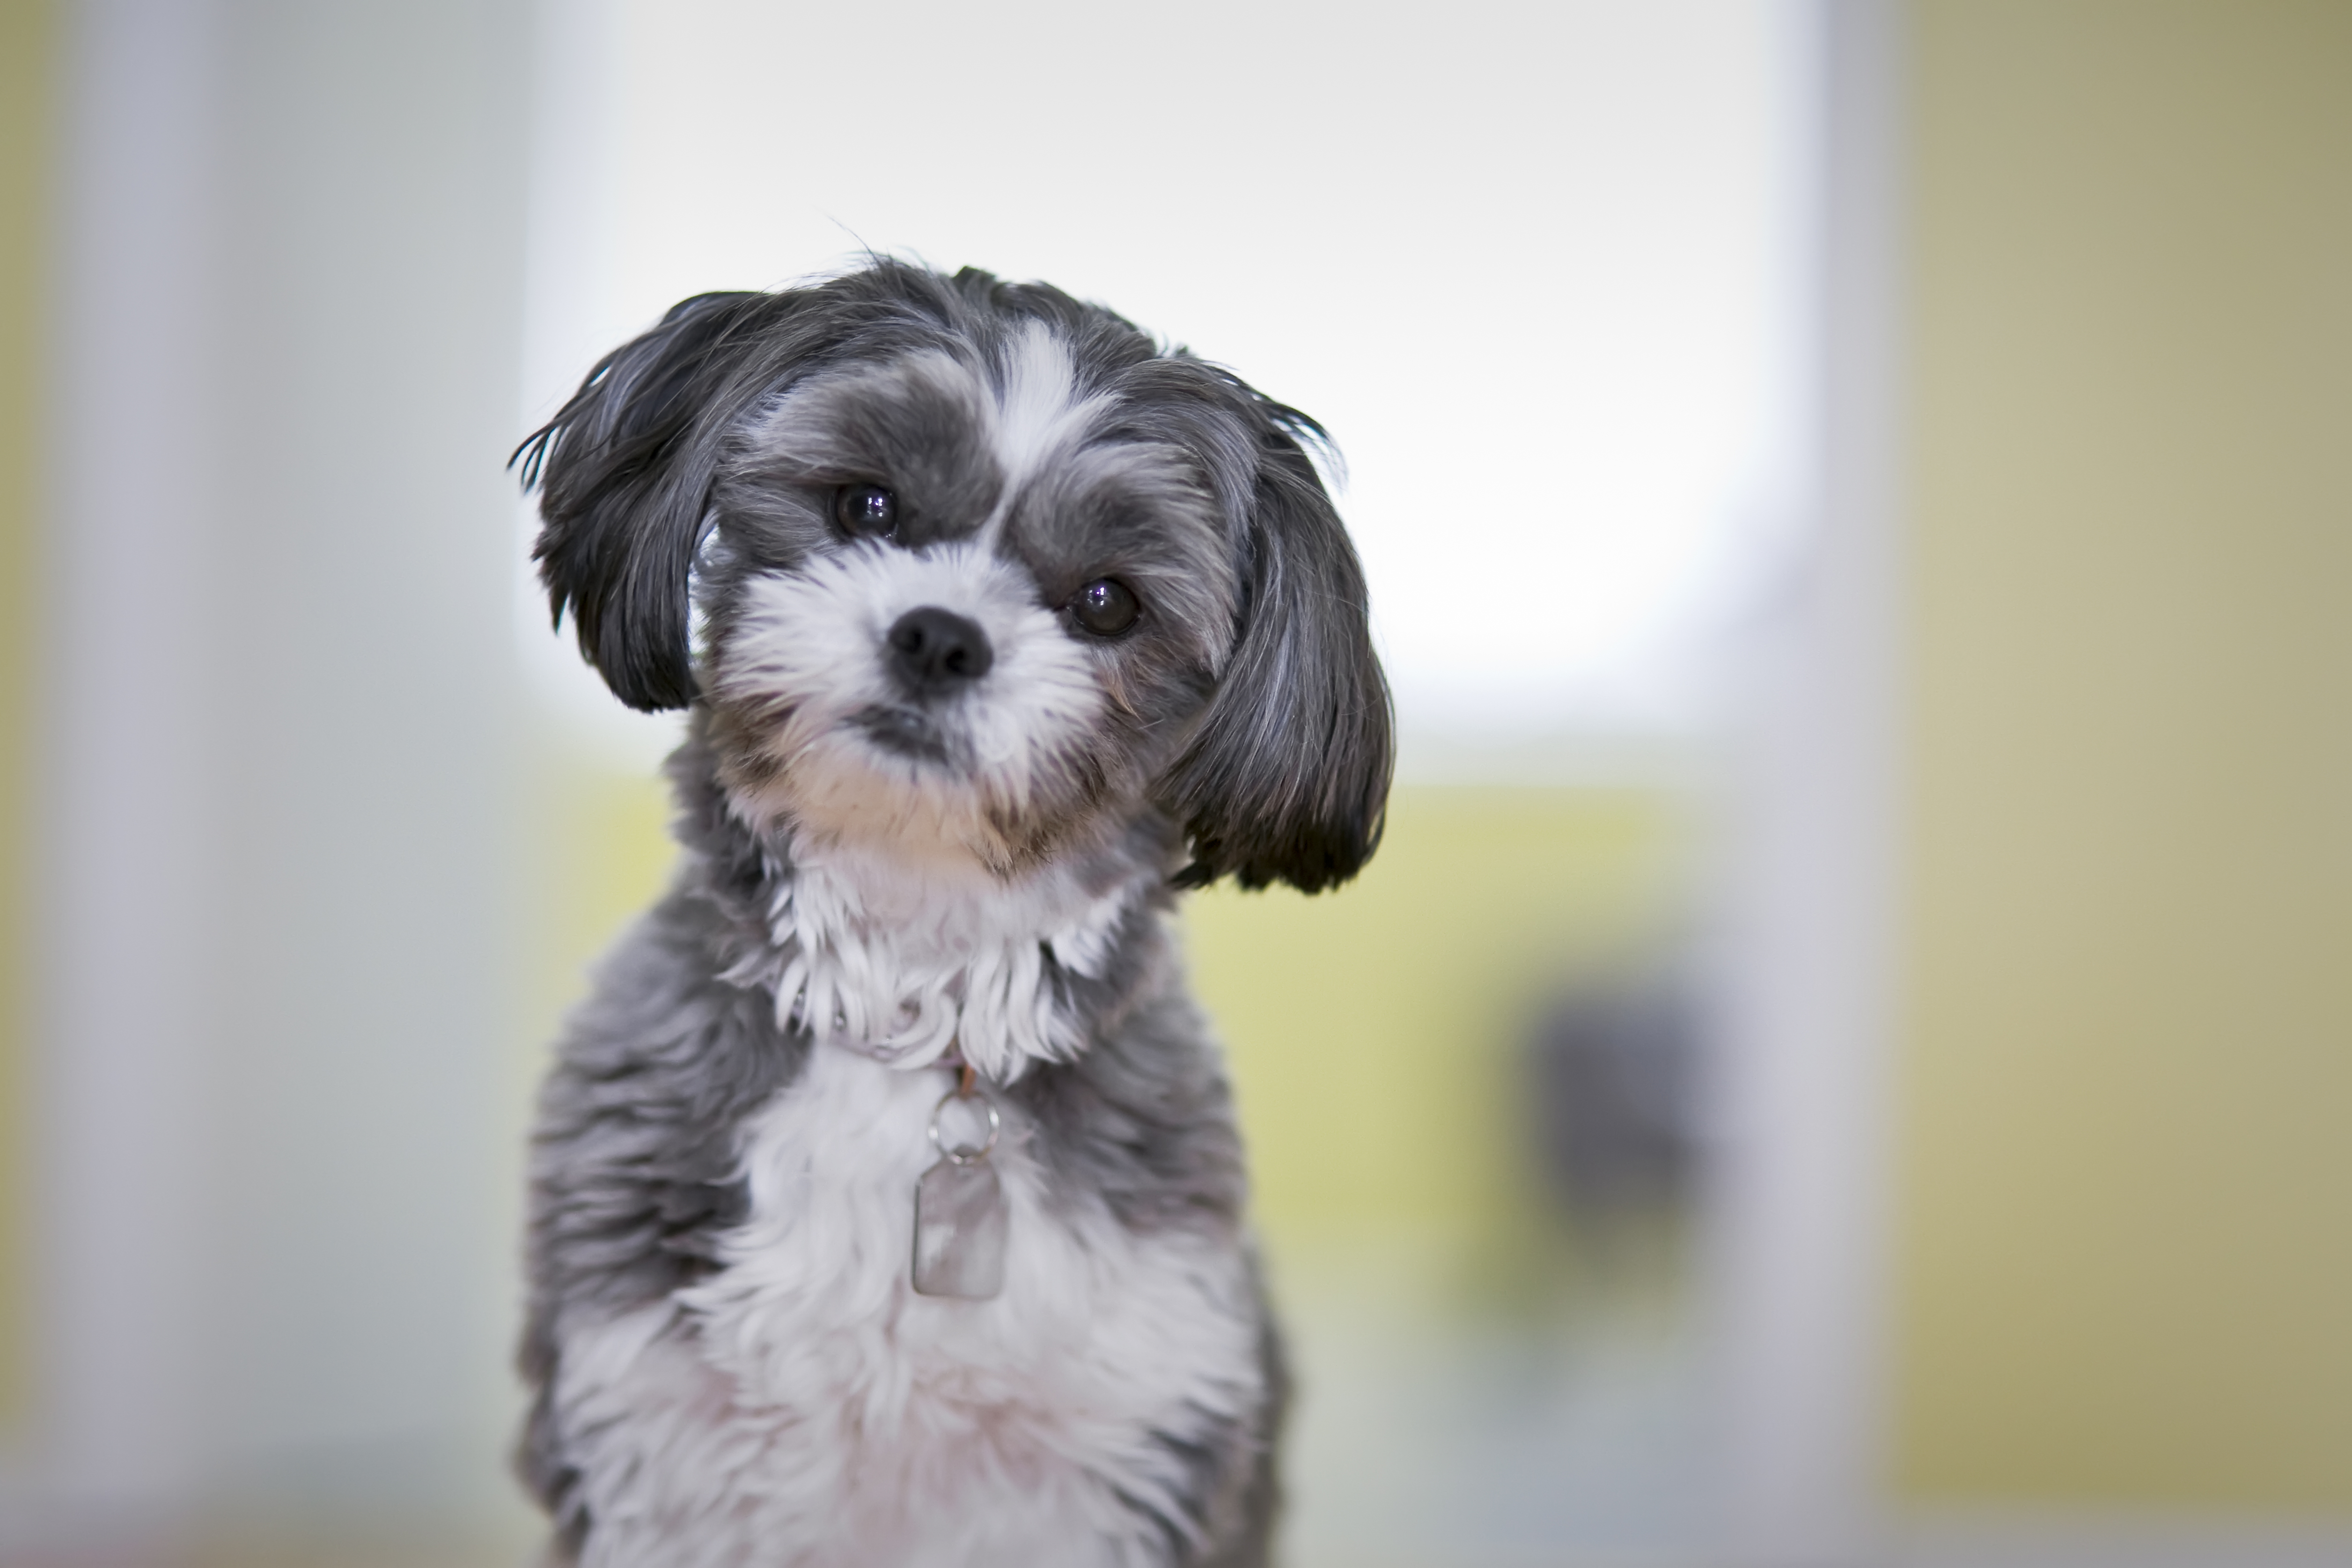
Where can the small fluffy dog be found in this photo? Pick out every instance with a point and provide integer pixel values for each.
(887, 1204)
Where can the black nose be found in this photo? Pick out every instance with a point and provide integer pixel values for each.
(935, 651)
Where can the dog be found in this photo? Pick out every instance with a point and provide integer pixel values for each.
(887, 1203)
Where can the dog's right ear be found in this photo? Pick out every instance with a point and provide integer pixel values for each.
(624, 472)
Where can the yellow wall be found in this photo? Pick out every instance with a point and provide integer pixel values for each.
(600, 854)
(1374, 1031)
(24, 62)
(2124, 1260)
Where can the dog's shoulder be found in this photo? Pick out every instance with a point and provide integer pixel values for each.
(633, 1158)
(1143, 1120)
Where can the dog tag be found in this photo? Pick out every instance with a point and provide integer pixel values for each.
(959, 1231)
(961, 1218)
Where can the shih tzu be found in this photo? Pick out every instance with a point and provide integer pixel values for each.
(887, 1203)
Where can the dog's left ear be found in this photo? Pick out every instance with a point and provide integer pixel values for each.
(1286, 776)
(624, 470)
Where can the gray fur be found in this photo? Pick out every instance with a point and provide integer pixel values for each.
(1249, 736)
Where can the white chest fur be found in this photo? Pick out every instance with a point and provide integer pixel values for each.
(904, 958)
(803, 1407)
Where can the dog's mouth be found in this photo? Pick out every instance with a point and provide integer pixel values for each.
(905, 732)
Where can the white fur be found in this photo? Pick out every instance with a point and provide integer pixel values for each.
(803, 1408)
(900, 962)
(1038, 412)
(815, 639)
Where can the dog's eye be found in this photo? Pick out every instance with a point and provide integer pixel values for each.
(864, 511)
(1106, 607)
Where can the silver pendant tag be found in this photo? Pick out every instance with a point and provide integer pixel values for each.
(960, 1217)
(960, 1231)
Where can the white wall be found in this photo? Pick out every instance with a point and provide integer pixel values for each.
(277, 1185)
(1799, 1182)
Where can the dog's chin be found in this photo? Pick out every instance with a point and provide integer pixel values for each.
(897, 781)
(905, 734)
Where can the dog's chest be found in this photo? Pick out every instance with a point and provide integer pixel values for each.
(805, 1405)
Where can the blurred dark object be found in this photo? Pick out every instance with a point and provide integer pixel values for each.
(1611, 1076)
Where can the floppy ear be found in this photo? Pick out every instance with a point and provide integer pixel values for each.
(624, 472)
(1286, 776)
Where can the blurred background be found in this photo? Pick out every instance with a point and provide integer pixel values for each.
(1845, 1054)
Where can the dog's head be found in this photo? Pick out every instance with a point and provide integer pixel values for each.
(965, 567)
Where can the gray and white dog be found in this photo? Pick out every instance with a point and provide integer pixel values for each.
(997, 623)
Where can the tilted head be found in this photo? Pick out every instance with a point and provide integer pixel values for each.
(970, 567)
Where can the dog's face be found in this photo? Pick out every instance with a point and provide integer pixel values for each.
(980, 573)
(952, 604)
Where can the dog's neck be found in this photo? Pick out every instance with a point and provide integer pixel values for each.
(902, 959)
(901, 956)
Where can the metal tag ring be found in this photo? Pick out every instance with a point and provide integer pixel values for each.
(965, 1156)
